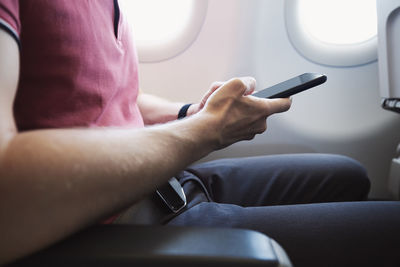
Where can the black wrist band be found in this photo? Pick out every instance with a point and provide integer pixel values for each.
(183, 111)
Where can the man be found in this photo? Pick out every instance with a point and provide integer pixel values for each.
(74, 152)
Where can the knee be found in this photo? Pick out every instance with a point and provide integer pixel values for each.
(351, 175)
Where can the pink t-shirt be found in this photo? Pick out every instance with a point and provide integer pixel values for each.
(78, 64)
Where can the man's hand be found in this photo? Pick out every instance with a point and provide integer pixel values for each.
(235, 115)
(193, 109)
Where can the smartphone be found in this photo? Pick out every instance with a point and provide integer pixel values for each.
(292, 86)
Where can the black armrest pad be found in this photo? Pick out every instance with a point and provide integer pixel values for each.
(133, 245)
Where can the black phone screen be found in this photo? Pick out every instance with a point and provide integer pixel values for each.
(292, 86)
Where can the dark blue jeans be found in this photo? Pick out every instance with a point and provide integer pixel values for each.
(313, 205)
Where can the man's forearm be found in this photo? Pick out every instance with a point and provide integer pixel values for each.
(59, 181)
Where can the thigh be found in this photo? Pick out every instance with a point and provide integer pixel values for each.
(284, 179)
(324, 234)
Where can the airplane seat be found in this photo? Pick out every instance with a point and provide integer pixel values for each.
(144, 245)
(389, 73)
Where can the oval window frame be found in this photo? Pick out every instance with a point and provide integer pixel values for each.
(337, 55)
(170, 48)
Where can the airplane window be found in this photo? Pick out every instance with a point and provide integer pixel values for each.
(339, 21)
(162, 29)
(333, 32)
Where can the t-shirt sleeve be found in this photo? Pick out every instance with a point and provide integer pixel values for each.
(9, 18)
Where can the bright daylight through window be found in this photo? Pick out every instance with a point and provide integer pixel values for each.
(163, 28)
(333, 32)
(339, 21)
(157, 20)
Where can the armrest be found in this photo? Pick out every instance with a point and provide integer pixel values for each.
(134, 245)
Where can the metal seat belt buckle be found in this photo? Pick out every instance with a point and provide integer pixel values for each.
(172, 195)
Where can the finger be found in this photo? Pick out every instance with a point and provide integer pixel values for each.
(239, 86)
(266, 107)
(260, 126)
(250, 83)
(249, 137)
(278, 105)
(215, 86)
(252, 129)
